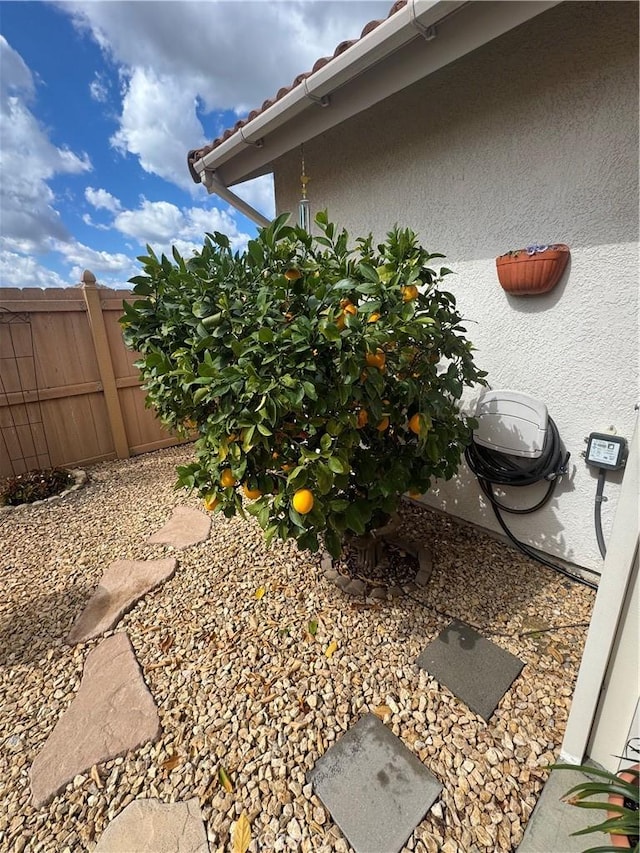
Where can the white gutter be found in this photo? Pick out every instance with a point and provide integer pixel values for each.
(214, 185)
(250, 150)
(388, 37)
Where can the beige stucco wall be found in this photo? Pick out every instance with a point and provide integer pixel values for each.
(531, 139)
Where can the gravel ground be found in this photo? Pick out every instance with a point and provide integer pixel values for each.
(240, 682)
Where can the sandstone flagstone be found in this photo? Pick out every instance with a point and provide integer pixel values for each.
(185, 527)
(112, 713)
(150, 826)
(122, 584)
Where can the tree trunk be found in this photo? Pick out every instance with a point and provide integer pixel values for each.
(370, 549)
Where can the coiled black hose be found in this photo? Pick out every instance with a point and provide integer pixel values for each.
(493, 468)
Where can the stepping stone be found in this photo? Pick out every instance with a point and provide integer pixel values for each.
(473, 668)
(376, 789)
(112, 713)
(185, 527)
(149, 826)
(122, 584)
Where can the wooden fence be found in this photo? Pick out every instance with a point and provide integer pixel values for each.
(69, 393)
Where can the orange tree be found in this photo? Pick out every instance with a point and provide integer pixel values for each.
(323, 380)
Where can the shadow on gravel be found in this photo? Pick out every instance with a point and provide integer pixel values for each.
(35, 624)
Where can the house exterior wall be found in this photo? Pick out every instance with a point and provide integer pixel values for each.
(531, 139)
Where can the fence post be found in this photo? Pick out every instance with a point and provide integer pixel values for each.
(105, 365)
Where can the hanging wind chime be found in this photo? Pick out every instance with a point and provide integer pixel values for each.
(304, 213)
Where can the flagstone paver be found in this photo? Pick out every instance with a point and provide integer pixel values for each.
(113, 712)
(185, 527)
(121, 585)
(150, 826)
(376, 789)
(473, 668)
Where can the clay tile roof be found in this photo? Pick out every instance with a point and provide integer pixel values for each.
(197, 153)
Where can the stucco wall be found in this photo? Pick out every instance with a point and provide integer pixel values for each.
(531, 139)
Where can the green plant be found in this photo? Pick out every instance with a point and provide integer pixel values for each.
(34, 486)
(623, 817)
(301, 363)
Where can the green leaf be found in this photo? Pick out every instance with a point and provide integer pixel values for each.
(265, 335)
(354, 521)
(333, 543)
(337, 465)
(324, 478)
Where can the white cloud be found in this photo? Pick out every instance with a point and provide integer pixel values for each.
(86, 218)
(95, 260)
(233, 54)
(99, 88)
(102, 200)
(259, 193)
(29, 160)
(20, 271)
(223, 55)
(159, 125)
(163, 224)
(154, 220)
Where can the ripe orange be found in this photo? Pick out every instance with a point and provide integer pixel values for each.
(376, 359)
(303, 501)
(415, 423)
(340, 322)
(227, 480)
(363, 418)
(293, 274)
(409, 292)
(251, 494)
(210, 503)
(350, 309)
(373, 317)
(383, 425)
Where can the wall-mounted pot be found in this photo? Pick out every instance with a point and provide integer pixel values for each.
(536, 269)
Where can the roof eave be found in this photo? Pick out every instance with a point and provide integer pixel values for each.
(455, 27)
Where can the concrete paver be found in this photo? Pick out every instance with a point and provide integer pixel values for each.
(474, 669)
(376, 789)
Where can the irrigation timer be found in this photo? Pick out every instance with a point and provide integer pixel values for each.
(606, 451)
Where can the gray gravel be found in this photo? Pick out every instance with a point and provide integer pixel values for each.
(241, 683)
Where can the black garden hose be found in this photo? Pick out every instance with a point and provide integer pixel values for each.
(493, 468)
(597, 513)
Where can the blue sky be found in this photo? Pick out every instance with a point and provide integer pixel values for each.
(101, 102)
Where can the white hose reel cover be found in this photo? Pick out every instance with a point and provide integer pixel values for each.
(512, 423)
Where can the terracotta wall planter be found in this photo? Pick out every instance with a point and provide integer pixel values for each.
(537, 269)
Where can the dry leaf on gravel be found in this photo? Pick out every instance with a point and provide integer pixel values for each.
(555, 653)
(171, 763)
(96, 776)
(331, 648)
(223, 778)
(382, 711)
(165, 643)
(241, 835)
